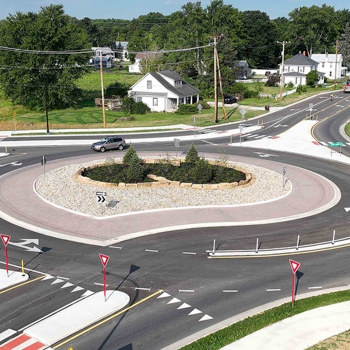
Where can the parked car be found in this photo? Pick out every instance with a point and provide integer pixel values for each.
(109, 143)
(230, 99)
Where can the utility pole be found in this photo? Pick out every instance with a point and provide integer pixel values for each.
(220, 83)
(282, 65)
(336, 68)
(102, 91)
(216, 119)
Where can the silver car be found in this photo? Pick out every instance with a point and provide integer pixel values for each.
(108, 143)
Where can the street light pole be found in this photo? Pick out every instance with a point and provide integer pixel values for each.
(282, 65)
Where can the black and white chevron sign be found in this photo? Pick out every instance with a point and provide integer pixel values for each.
(101, 197)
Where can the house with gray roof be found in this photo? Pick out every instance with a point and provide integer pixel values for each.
(297, 67)
(163, 91)
(330, 64)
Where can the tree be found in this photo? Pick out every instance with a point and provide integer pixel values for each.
(202, 171)
(344, 45)
(42, 81)
(129, 155)
(192, 155)
(311, 78)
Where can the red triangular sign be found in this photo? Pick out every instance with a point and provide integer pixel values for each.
(294, 265)
(104, 259)
(5, 239)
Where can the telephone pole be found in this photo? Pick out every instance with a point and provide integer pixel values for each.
(282, 65)
(102, 91)
(216, 119)
(336, 62)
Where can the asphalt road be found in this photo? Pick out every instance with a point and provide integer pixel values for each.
(155, 323)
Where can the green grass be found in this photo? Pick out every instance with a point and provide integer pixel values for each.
(252, 324)
(347, 129)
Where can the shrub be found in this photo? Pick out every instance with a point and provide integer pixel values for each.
(186, 109)
(192, 155)
(290, 85)
(311, 78)
(134, 172)
(130, 106)
(202, 172)
(129, 155)
(239, 88)
(251, 94)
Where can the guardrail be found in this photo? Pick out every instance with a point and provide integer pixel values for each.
(297, 249)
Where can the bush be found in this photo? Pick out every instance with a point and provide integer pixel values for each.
(186, 109)
(202, 172)
(134, 171)
(251, 94)
(290, 85)
(130, 106)
(192, 155)
(239, 88)
(311, 78)
(129, 155)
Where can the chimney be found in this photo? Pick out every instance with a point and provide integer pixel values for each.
(326, 57)
(304, 53)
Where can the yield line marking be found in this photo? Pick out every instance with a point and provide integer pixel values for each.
(230, 291)
(108, 319)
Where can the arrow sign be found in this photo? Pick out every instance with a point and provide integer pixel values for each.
(294, 265)
(101, 197)
(347, 209)
(25, 243)
(104, 259)
(5, 239)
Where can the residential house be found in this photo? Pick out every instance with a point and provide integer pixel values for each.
(163, 91)
(242, 70)
(297, 67)
(145, 56)
(122, 50)
(330, 65)
(108, 57)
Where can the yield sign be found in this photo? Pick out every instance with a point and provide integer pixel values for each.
(5, 239)
(104, 259)
(294, 265)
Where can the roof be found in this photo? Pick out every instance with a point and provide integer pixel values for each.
(300, 60)
(180, 90)
(321, 57)
(142, 55)
(294, 74)
(241, 63)
(124, 44)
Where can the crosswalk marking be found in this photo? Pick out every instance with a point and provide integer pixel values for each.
(23, 342)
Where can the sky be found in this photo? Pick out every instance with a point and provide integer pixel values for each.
(121, 9)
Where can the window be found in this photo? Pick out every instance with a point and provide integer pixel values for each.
(155, 101)
(149, 84)
(304, 69)
(139, 99)
(322, 64)
(178, 82)
(330, 65)
(330, 74)
(296, 81)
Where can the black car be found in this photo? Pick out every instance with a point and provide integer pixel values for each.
(108, 143)
(230, 99)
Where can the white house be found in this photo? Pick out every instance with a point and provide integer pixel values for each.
(297, 67)
(163, 91)
(136, 67)
(330, 65)
(122, 50)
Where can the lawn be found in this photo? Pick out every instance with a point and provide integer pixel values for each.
(252, 324)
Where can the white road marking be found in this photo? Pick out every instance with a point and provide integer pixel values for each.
(273, 290)
(111, 246)
(164, 295)
(137, 288)
(174, 300)
(7, 333)
(68, 284)
(189, 253)
(195, 312)
(210, 143)
(151, 250)
(100, 284)
(318, 287)
(77, 289)
(63, 278)
(57, 281)
(230, 291)
(205, 318)
(183, 306)
(323, 143)
(186, 291)
(87, 293)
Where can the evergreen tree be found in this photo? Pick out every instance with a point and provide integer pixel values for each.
(192, 155)
(202, 172)
(134, 171)
(130, 155)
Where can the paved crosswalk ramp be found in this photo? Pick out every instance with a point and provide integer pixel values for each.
(23, 342)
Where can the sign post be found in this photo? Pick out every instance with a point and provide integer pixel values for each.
(6, 239)
(336, 144)
(176, 144)
(241, 127)
(104, 261)
(294, 266)
(43, 162)
(14, 118)
(284, 173)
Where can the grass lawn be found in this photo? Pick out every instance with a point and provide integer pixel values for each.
(252, 324)
(347, 129)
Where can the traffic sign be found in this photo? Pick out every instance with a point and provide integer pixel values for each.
(104, 259)
(5, 239)
(336, 144)
(294, 265)
(243, 111)
(200, 107)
